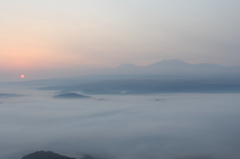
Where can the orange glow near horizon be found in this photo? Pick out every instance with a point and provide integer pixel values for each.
(22, 76)
(28, 57)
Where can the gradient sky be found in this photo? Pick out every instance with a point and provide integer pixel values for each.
(47, 38)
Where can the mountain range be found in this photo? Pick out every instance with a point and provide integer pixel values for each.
(174, 66)
(167, 76)
(174, 70)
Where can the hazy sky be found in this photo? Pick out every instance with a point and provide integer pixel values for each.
(41, 35)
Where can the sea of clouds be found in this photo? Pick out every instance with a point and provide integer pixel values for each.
(162, 126)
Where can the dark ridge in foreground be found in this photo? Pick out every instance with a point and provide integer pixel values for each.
(50, 155)
(70, 96)
(45, 155)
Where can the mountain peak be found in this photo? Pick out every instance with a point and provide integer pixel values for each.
(45, 155)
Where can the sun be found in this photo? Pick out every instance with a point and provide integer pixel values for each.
(22, 76)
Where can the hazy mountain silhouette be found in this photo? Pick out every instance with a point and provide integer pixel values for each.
(174, 69)
(167, 76)
(70, 96)
(45, 155)
(174, 66)
(50, 155)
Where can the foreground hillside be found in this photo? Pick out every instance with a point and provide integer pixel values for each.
(49, 155)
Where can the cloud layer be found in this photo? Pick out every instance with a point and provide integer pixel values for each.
(204, 126)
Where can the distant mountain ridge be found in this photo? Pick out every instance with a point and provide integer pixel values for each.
(70, 96)
(174, 66)
(50, 155)
(173, 69)
(45, 155)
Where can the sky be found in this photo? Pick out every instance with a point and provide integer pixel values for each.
(45, 39)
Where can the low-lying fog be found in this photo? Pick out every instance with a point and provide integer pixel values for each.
(162, 126)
